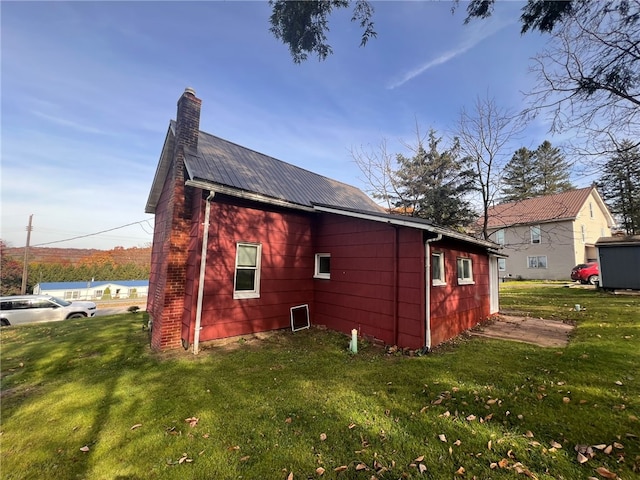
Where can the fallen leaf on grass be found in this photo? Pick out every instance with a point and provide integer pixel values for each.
(245, 458)
(618, 382)
(555, 444)
(442, 437)
(84, 449)
(457, 443)
(137, 425)
(529, 434)
(320, 471)
(582, 458)
(323, 437)
(233, 447)
(288, 420)
(617, 445)
(352, 426)
(419, 459)
(290, 476)
(361, 466)
(606, 473)
(608, 449)
(566, 400)
(471, 418)
(341, 468)
(503, 463)
(460, 471)
(422, 468)
(192, 421)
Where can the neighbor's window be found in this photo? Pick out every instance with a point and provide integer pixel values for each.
(502, 264)
(535, 234)
(437, 268)
(67, 295)
(591, 209)
(246, 282)
(500, 236)
(323, 265)
(465, 271)
(537, 262)
(98, 294)
(583, 233)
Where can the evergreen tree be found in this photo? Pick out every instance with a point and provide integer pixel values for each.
(519, 176)
(552, 170)
(620, 186)
(432, 184)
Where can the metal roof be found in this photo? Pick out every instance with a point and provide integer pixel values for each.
(220, 162)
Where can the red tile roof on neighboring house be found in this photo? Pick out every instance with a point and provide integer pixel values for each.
(550, 208)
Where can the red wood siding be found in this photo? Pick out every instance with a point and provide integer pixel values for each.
(456, 308)
(365, 290)
(287, 264)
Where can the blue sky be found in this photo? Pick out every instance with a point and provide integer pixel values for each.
(88, 89)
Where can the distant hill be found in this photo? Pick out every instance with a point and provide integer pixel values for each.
(76, 256)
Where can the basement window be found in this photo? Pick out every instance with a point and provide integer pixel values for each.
(323, 266)
(246, 283)
(465, 271)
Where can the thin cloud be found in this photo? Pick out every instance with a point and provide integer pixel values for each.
(69, 123)
(478, 35)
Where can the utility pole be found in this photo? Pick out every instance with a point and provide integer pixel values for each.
(25, 263)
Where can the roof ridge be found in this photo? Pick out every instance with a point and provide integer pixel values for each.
(573, 190)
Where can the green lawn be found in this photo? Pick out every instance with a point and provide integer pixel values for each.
(87, 399)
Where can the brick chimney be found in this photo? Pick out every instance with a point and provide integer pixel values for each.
(168, 329)
(188, 119)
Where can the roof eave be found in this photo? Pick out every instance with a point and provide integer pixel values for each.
(407, 223)
(245, 194)
(161, 172)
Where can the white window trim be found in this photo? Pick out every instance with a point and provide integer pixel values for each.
(539, 231)
(502, 261)
(546, 262)
(438, 282)
(316, 271)
(255, 293)
(469, 280)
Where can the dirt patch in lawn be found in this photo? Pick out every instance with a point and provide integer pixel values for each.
(538, 331)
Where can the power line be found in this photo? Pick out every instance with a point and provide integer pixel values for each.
(90, 234)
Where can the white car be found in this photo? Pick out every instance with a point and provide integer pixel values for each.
(16, 310)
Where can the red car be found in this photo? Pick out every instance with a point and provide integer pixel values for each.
(586, 273)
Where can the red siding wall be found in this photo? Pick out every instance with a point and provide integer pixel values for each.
(365, 282)
(456, 308)
(286, 273)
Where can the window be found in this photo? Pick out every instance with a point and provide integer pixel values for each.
(591, 209)
(535, 234)
(98, 294)
(500, 237)
(465, 271)
(437, 269)
(246, 282)
(537, 262)
(583, 233)
(323, 265)
(502, 264)
(67, 295)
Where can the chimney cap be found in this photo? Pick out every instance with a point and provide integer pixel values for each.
(190, 90)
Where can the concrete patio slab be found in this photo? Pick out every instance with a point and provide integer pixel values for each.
(537, 331)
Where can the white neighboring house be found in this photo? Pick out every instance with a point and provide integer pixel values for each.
(545, 237)
(95, 290)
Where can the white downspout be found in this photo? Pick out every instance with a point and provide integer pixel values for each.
(427, 332)
(203, 266)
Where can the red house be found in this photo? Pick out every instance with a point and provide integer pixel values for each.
(241, 237)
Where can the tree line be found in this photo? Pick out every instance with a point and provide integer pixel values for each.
(116, 264)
